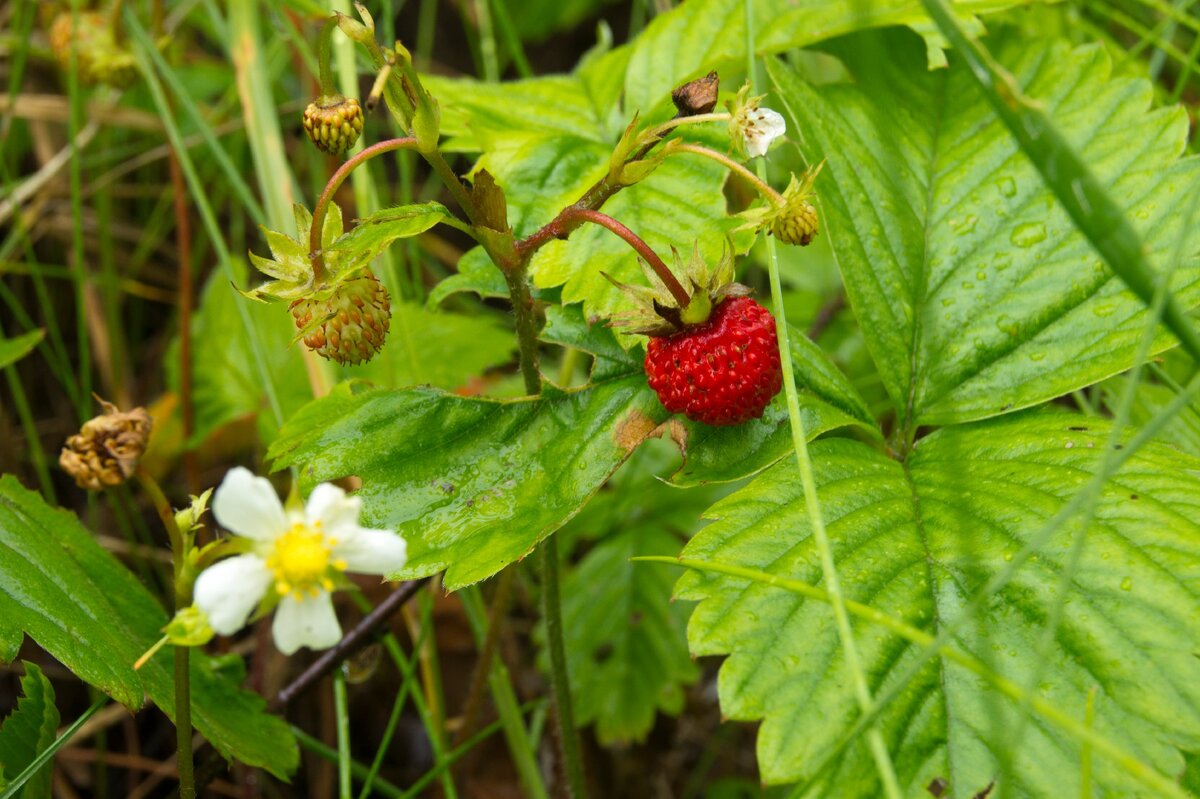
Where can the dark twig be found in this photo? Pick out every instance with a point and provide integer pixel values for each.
(351, 642)
(361, 635)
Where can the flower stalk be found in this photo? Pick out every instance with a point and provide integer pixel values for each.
(183, 681)
(324, 46)
(739, 169)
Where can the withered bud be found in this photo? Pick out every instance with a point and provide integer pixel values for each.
(698, 96)
(106, 450)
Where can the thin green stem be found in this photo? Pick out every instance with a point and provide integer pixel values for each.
(658, 131)
(487, 41)
(335, 182)
(883, 761)
(385, 740)
(183, 724)
(448, 759)
(512, 40)
(568, 736)
(166, 515)
(310, 743)
(79, 264)
(183, 680)
(407, 669)
(740, 170)
(426, 28)
(342, 722)
(522, 743)
(324, 42)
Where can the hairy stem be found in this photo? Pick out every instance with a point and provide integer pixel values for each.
(183, 723)
(568, 737)
(733, 166)
(183, 597)
(658, 132)
(526, 323)
(324, 42)
(335, 182)
(574, 214)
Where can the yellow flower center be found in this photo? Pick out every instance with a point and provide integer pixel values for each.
(301, 561)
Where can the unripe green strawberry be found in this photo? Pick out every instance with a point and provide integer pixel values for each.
(349, 325)
(723, 371)
(333, 122)
(797, 223)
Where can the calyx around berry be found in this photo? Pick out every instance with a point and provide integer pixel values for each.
(657, 312)
(793, 219)
(344, 316)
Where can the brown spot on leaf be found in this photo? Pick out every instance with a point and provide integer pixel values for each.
(986, 791)
(634, 428)
(937, 787)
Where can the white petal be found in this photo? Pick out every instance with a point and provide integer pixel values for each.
(371, 551)
(329, 505)
(307, 622)
(229, 590)
(767, 126)
(248, 505)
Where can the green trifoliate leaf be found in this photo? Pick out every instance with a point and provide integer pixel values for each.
(975, 291)
(472, 484)
(915, 541)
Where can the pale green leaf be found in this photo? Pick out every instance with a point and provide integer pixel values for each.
(426, 347)
(375, 233)
(27, 732)
(975, 291)
(915, 541)
(472, 484)
(87, 610)
(15, 348)
(476, 274)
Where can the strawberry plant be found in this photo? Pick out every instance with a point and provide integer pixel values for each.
(790, 400)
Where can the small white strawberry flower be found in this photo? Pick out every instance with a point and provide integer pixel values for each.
(299, 554)
(752, 126)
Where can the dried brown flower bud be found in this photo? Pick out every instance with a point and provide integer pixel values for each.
(106, 451)
(698, 96)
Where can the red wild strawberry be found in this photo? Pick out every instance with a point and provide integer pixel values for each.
(722, 372)
(713, 355)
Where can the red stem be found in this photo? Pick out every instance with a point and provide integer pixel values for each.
(335, 182)
(561, 226)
